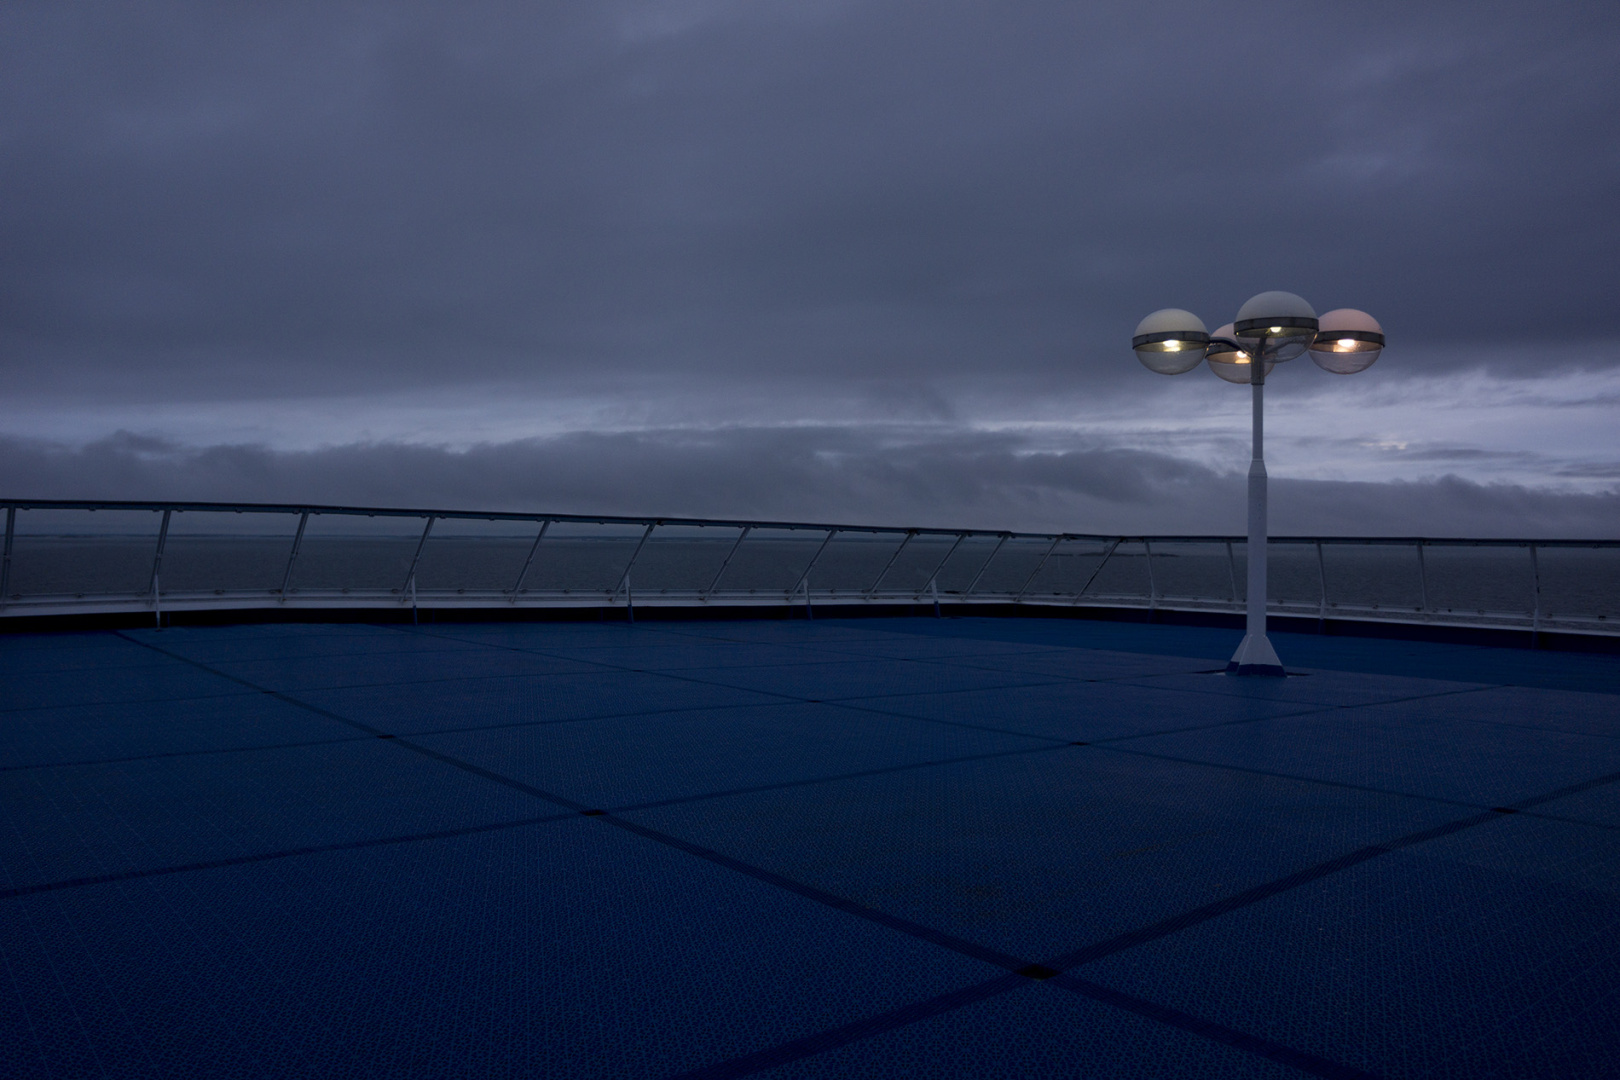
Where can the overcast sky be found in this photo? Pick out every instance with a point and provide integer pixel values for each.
(862, 261)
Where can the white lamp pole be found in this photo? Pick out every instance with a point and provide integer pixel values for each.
(1273, 327)
(1255, 656)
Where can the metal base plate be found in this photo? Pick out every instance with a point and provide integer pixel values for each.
(1255, 656)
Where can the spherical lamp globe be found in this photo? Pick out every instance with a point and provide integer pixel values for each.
(1230, 362)
(1275, 326)
(1170, 341)
(1347, 341)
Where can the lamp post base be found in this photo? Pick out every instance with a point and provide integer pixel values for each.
(1255, 657)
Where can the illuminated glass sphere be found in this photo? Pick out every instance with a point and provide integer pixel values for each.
(1170, 341)
(1347, 341)
(1231, 364)
(1275, 326)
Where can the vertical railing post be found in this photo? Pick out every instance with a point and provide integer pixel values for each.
(1109, 554)
(715, 584)
(157, 554)
(933, 578)
(624, 581)
(1535, 610)
(1231, 569)
(5, 558)
(408, 590)
(1153, 587)
(804, 578)
(154, 587)
(1423, 577)
(292, 556)
(910, 534)
(534, 547)
(1321, 577)
(1038, 568)
(974, 584)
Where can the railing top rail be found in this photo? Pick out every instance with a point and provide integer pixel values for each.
(740, 523)
(471, 515)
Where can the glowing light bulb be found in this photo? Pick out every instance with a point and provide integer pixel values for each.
(1172, 346)
(1241, 358)
(1346, 344)
(1276, 329)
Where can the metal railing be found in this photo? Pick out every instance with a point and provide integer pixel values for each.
(65, 557)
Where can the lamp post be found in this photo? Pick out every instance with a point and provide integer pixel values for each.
(1270, 329)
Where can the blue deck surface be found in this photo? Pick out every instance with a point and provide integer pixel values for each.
(902, 848)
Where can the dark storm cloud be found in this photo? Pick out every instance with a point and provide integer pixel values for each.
(231, 200)
(854, 476)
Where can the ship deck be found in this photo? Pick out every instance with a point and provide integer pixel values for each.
(868, 847)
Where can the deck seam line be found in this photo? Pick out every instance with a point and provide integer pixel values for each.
(664, 674)
(866, 1028)
(268, 856)
(1055, 681)
(119, 704)
(182, 753)
(1437, 800)
(1279, 1052)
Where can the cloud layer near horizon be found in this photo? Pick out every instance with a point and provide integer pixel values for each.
(853, 476)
